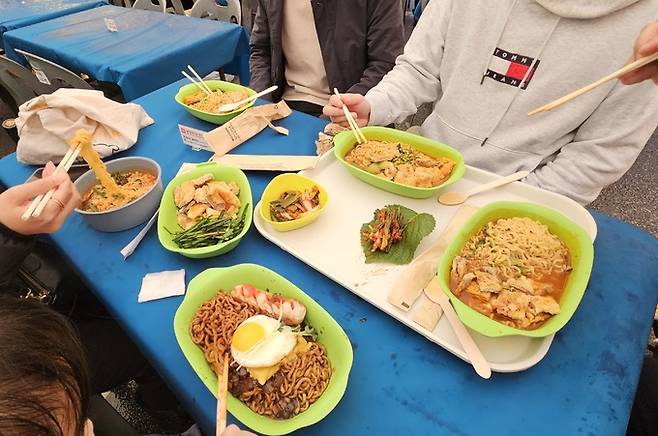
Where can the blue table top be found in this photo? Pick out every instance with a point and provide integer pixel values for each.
(15, 14)
(148, 51)
(400, 382)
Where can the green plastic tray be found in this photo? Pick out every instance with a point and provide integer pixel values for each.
(168, 210)
(209, 116)
(205, 285)
(346, 140)
(577, 241)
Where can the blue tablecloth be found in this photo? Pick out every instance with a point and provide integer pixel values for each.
(149, 50)
(400, 382)
(15, 14)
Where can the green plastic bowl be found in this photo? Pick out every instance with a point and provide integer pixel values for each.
(168, 210)
(209, 116)
(339, 350)
(345, 141)
(573, 236)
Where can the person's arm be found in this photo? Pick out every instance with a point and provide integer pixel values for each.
(260, 62)
(645, 45)
(385, 41)
(15, 234)
(604, 146)
(14, 201)
(415, 79)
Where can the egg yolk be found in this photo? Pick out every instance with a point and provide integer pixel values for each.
(247, 335)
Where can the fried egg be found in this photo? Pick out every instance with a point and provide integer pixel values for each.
(261, 341)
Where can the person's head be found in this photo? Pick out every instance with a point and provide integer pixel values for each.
(43, 373)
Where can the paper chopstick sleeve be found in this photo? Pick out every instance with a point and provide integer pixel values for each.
(246, 125)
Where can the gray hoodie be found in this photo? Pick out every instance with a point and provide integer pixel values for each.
(485, 64)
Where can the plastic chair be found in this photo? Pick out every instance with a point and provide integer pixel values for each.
(58, 76)
(19, 83)
(123, 3)
(160, 6)
(213, 10)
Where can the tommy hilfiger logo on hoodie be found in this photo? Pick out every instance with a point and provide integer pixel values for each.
(515, 67)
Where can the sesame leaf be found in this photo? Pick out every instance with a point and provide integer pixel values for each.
(416, 227)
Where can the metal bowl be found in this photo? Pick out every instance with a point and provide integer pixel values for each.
(129, 215)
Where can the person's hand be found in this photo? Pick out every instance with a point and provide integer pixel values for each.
(645, 45)
(234, 430)
(356, 103)
(14, 201)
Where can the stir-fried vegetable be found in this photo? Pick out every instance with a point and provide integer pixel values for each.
(211, 230)
(291, 205)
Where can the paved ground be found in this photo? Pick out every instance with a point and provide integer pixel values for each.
(634, 198)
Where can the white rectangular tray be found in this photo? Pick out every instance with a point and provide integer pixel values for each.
(331, 245)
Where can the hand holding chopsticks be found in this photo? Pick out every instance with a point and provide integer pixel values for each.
(41, 201)
(646, 44)
(351, 121)
(616, 75)
(64, 199)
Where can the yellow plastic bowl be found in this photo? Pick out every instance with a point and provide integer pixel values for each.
(290, 182)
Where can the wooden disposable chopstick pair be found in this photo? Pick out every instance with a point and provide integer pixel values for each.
(200, 84)
(222, 393)
(616, 75)
(351, 121)
(41, 201)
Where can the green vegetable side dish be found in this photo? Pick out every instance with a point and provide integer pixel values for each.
(167, 220)
(394, 234)
(191, 88)
(345, 141)
(577, 241)
(292, 205)
(339, 350)
(210, 230)
(291, 182)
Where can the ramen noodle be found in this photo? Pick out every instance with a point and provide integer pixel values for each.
(513, 270)
(211, 103)
(93, 159)
(299, 381)
(401, 163)
(130, 184)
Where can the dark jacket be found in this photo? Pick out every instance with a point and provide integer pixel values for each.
(359, 40)
(13, 250)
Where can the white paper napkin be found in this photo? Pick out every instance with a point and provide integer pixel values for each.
(162, 285)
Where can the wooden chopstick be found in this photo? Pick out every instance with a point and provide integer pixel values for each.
(616, 75)
(39, 202)
(351, 121)
(196, 83)
(199, 78)
(49, 194)
(222, 392)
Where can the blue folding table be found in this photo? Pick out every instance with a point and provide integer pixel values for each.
(147, 52)
(15, 14)
(401, 383)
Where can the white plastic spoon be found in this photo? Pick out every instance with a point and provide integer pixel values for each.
(455, 198)
(480, 364)
(230, 107)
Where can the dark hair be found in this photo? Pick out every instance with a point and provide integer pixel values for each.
(43, 371)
